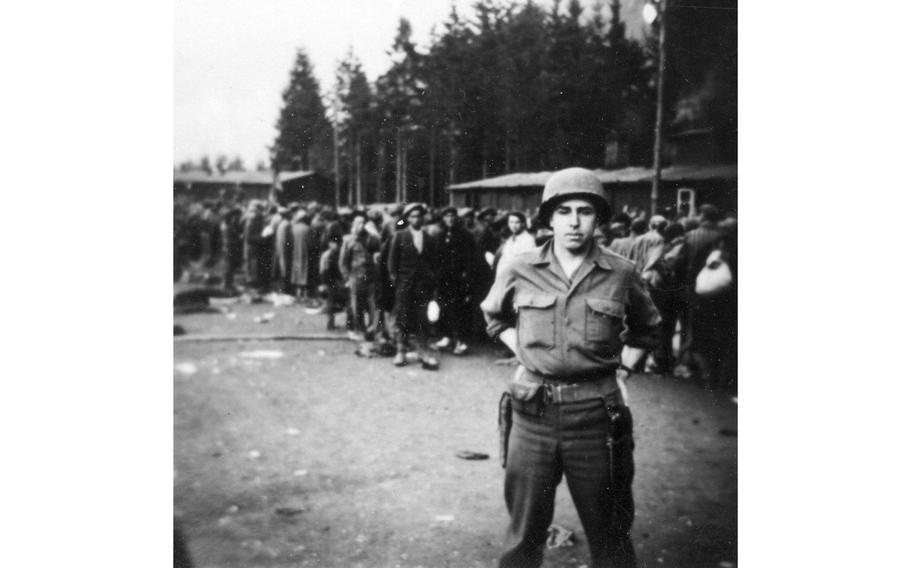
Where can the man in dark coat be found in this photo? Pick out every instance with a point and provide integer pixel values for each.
(257, 251)
(413, 257)
(232, 236)
(458, 256)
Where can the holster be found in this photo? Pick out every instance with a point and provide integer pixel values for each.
(505, 426)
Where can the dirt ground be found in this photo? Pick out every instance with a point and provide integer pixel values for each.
(300, 453)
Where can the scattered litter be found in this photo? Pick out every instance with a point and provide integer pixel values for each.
(262, 354)
(288, 511)
(728, 432)
(216, 371)
(279, 300)
(361, 539)
(233, 509)
(444, 518)
(469, 455)
(292, 432)
(223, 521)
(254, 455)
(321, 352)
(558, 537)
(231, 316)
(185, 368)
(300, 473)
(264, 318)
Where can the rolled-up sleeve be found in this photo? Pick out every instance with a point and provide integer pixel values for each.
(641, 325)
(497, 307)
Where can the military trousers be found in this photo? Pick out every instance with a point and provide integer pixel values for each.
(590, 442)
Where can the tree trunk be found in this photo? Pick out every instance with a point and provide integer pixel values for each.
(398, 166)
(432, 168)
(359, 167)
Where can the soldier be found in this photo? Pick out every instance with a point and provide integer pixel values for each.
(579, 319)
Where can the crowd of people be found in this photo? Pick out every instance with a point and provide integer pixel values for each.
(389, 270)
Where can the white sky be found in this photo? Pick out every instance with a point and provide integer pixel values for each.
(232, 59)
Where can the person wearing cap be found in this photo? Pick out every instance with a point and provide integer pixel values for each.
(458, 255)
(413, 260)
(578, 318)
(624, 246)
(484, 235)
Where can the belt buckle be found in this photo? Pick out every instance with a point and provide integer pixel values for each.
(553, 393)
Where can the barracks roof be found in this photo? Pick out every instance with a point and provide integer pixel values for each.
(625, 175)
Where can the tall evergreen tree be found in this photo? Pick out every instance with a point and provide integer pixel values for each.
(304, 132)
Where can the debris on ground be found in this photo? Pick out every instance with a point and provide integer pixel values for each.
(264, 318)
(300, 473)
(254, 455)
(469, 455)
(292, 432)
(288, 511)
(250, 298)
(185, 368)
(262, 354)
(233, 509)
(558, 537)
(444, 518)
(280, 300)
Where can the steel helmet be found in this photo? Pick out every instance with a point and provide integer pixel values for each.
(573, 183)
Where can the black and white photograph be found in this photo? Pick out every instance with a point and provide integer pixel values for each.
(455, 283)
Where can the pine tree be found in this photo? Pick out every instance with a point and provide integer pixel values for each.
(304, 133)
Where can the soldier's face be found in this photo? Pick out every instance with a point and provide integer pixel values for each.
(573, 223)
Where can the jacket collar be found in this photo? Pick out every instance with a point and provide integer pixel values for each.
(595, 256)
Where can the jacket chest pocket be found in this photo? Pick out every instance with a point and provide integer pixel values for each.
(536, 320)
(603, 320)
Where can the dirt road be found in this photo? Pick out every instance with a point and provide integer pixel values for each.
(299, 453)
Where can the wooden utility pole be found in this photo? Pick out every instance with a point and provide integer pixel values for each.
(658, 123)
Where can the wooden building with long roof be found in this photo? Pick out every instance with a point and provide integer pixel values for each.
(683, 188)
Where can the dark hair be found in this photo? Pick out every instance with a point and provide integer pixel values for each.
(621, 218)
(673, 230)
(709, 212)
(639, 227)
(520, 215)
